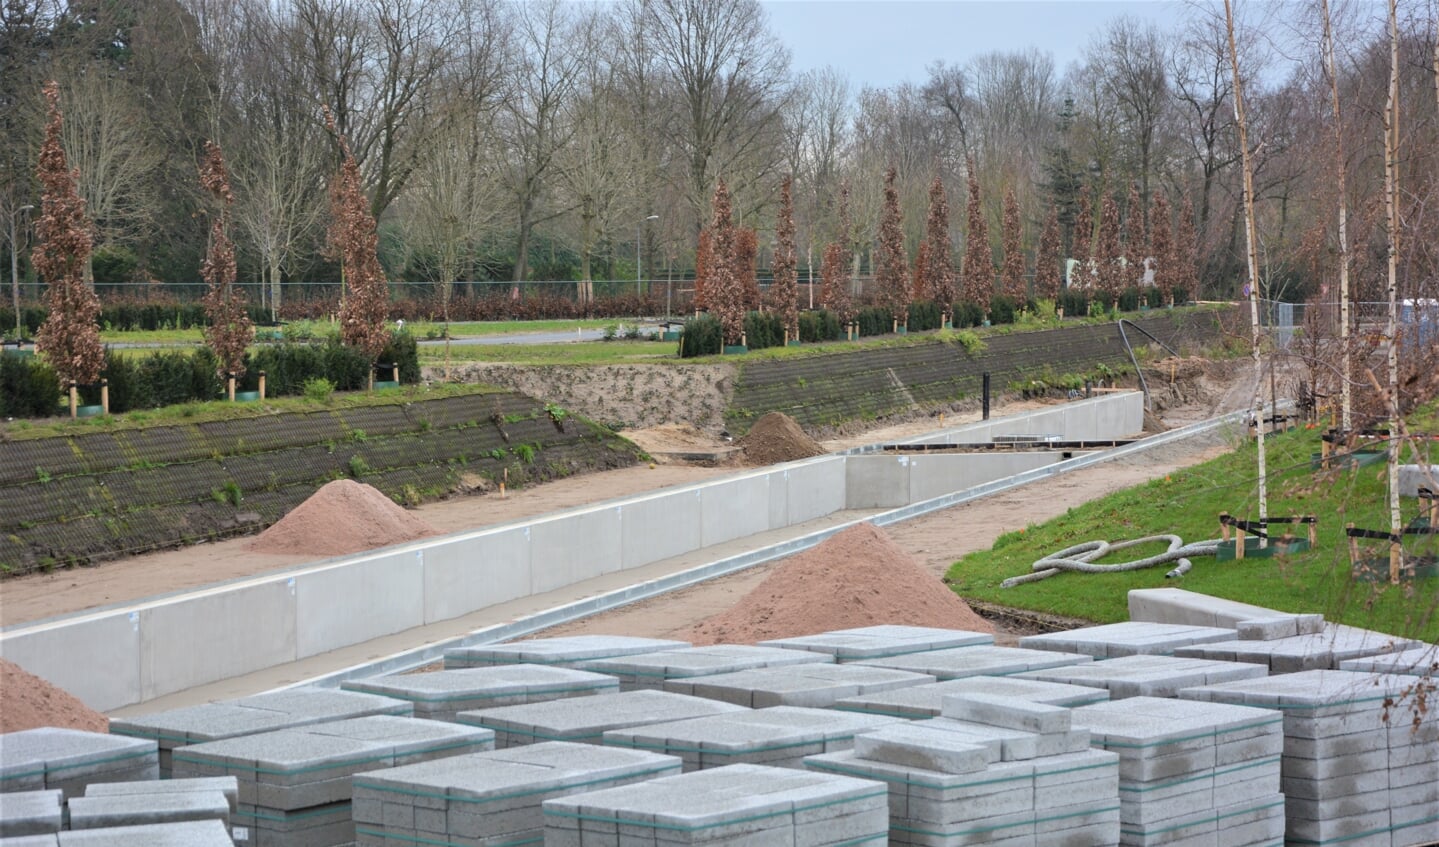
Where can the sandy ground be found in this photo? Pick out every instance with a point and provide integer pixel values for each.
(935, 540)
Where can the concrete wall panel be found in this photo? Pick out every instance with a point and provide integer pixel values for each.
(815, 488)
(343, 605)
(660, 526)
(734, 508)
(474, 571)
(876, 482)
(778, 481)
(574, 547)
(95, 658)
(224, 632)
(936, 475)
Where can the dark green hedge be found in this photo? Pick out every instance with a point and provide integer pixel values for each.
(130, 317)
(702, 336)
(819, 325)
(29, 388)
(875, 320)
(763, 329)
(924, 317)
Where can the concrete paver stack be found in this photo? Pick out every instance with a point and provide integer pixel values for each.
(586, 719)
(926, 701)
(996, 771)
(1325, 649)
(1128, 638)
(1416, 661)
(878, 642)
(725, 807)
(653, 670)
(777, 737)
(1192, 776)
(564, 652)
(68, 759)
(295, 784)
(816, 686)
(141, 809)
(227, 786)
(1360, 759)
(442, 695)
(208, 833)
(1148, 676)
(958, 663)
(31, 812)
(489, 799)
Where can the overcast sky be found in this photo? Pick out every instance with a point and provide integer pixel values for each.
(884, 42)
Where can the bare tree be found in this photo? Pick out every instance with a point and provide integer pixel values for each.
(1134, 61)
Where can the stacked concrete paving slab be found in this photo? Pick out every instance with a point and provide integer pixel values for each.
(489, 799)
(1129, 638)
(68, 759)
(250, 715)
(295, 783)
(653, 670)
(227, 786)
(724, 807)
(997, 771)
(877, 642)
(777, 737)
(961, 662)
(817, 686)
(1355, 772)
(586, 719)
(1324, 650)
(1416, 661)
(1192, 776)
(566, 652)
(442, 695)
(143, 809)
(926, 701)
(31, 812)
(209, 833)
(1148, 676)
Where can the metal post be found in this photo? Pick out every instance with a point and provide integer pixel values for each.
(639, 258)
(986, 395)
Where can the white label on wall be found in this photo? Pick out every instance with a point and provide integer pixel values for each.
(240, 833)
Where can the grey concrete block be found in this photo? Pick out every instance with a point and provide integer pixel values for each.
(1417, 661)
(30, 812)
(210, 833)
(49, 757)
(1148, 676)
(961, 662)
(587, 719)
(442, 694)
(876, 642)
(925, 748)
(1012, 745)
(816, 686)
(226, 785)
(1324, 650)
(567, 651)
(1268, 629)
(925, 701)
(1007, 712)
(1414, 477)
(1127, 639)
(140, 809)
(651, 670)
(47, 840)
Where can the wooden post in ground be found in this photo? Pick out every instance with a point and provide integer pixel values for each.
(105, 396)
(1396, 560)
(74, 400)
(262, 385)
(230, 385)
(1353, 547)
(1224, 526)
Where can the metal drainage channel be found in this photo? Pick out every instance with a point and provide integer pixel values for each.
(410, 659)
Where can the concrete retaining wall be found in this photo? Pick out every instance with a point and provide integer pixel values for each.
(114, 658)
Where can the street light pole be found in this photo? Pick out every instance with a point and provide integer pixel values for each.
(15, 268)
(639, 230)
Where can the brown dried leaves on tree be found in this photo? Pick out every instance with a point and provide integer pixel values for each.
(835, 268)
(1082, 245)
(745, 258)
(1185, 258)
(784, 291)
(978, 268)
(704, 266)
(891, 266)
(1162, 249)
(69, 338)
(724, 293)
(229, 331)
(1108, 253)
(1136, 239)
(1048, 276)
(354, 240)
(939, 260)
(1011, 276)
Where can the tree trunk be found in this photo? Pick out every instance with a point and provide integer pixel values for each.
(274, 289)
(1340, 172)
(1391, 202)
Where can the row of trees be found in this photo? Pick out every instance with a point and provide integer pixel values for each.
(497, 139)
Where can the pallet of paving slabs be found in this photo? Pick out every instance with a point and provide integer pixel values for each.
(1416, 661)
(441, 695)
(587, 719)
(295, 783)
(961, 662)
(926, 701)
(102, 812)
(1148, 676)
(1185, 772)
(1127, 638)
(208, 833)
(68, 759)
(1357, 767)
(489, 799)
(564, 652)
(653, 670)
(878, 642)
(228, 786)
(734, 805)
(780, 736)
(31, 812)
(250, 715)
(815, 686)
(1317, 651)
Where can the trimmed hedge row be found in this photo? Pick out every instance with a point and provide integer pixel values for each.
(29, 387)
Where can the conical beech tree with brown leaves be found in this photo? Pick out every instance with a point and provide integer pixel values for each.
(69, 339)
(1136, 239)
(1108, 253)
(835, 267)
(1048, 276)
(723, 291)
(1162, 248)
(745, 258)
(1081, 246)
(978, 268)
(891, 266)
(784, 291)
(919, 285)
(354, 240)
(229, 331)
(1011, 276)
(939, 258)
(704, 266)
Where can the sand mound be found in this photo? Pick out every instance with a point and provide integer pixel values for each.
(27, 702)
(777, 438)
(857, 578)
(342, 517)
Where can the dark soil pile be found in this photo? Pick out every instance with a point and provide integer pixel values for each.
(27, 702)
(777, 438)
(342, 517)
(860, 577)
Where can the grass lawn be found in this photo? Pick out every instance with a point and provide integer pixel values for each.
(1187, 503)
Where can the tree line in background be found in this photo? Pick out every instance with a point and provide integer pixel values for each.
(545, 139)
